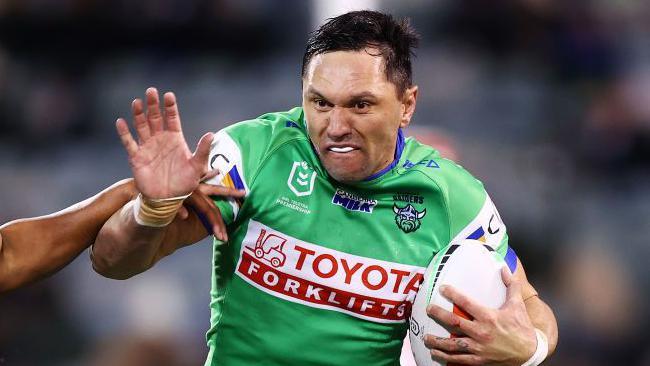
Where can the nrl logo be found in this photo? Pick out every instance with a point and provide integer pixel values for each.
(414, 326)
(302, 178)
(408, 218)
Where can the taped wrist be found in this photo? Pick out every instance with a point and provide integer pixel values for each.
(541, 352)
(156, 212)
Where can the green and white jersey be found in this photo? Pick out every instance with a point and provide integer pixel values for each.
(321, 273)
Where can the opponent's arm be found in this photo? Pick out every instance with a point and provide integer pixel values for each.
(33, 248)
(165, 171)
(504, 336)
(125, 248)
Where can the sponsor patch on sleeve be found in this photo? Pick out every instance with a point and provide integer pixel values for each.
(487, 226)
(226, 157)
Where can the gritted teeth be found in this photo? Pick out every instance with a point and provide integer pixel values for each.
(342, 149)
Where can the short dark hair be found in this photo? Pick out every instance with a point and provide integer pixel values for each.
(356, 30)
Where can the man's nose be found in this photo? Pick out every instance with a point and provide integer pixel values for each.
(339, 123)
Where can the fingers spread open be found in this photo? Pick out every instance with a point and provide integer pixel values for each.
(172, 117)
(125, 136)
(140, 120)
(153, 110)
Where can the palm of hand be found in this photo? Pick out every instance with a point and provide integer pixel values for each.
(162, 164)
(163, 167)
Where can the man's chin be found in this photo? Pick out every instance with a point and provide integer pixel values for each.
(346, 176)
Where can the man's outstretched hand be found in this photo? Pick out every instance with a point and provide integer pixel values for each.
(162, 164)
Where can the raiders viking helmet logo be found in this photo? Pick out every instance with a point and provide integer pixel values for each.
(408, 218)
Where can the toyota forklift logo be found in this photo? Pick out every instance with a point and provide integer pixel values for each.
(269, 249)
(321, 277)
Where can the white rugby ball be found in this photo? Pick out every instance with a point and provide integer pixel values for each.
(471, 267)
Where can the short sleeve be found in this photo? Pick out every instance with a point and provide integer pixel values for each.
(472, 214)
(238, 151)
(226, 157)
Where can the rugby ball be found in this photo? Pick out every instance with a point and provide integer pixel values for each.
(471, 267)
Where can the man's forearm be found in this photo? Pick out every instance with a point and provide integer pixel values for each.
(125, 248)
(36, 247)
(543, 318)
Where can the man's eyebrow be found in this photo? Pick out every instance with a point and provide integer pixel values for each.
(363, 95)
(313, 92)
(355, 98)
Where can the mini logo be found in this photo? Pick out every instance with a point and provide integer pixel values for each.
(269, 248)
(408, 198)
(302, 178)
(408, 218)
(428, 163)
(215, 159)
(414, 326)
(494, 225)
(353, 203)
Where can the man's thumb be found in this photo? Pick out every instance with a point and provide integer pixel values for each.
(513, 287)
(203, 150)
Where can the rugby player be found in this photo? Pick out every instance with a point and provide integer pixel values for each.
(34, 248)
(341, 216)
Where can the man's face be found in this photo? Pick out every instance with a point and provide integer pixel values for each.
(353, 112)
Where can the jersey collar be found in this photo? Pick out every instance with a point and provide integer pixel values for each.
(399, 148)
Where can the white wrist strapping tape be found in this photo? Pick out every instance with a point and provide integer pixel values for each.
(541, 352)
(156, 212)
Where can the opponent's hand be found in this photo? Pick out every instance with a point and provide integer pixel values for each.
(503, 336)
(162, 164)
(201, 202)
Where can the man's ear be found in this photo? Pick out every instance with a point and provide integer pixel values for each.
(409, 100)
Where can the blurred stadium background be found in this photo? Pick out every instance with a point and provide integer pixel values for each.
(546, 101)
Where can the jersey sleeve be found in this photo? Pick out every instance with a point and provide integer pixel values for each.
(226, 157)
(238, 151)
(473, 215)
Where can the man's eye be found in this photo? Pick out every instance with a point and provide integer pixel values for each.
(362, 106)
(321, 104)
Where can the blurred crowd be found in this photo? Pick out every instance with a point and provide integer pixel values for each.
(546, 101)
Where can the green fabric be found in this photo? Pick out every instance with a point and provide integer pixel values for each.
(260, 312)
